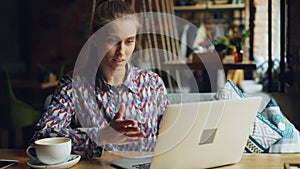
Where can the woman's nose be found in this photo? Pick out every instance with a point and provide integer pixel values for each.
(121, 48)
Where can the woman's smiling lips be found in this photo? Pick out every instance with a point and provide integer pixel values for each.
(119, 61)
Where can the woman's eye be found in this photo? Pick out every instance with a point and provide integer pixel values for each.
(130, 41)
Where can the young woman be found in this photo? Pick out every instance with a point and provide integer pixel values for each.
(129, 101)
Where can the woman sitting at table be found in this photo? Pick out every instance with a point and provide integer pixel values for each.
(111, 104)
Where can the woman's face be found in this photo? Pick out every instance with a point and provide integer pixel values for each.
(120, 43)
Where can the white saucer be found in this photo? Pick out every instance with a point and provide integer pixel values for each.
(72, 160)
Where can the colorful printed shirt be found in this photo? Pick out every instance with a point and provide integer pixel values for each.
(80, 117)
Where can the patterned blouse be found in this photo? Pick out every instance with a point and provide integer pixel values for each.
(80, 117)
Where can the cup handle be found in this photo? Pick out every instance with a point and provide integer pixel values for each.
(29, 153)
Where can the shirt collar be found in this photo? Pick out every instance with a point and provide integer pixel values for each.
(130, 80)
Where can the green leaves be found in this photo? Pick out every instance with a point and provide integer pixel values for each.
(234, 40)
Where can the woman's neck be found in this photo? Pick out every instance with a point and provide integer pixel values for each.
(113, 77)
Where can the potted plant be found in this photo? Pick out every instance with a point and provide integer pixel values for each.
(221, 46)
(235, 41)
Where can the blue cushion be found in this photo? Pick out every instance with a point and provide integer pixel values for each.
(228, 92)
(273, 113)
(290, 143)
(263, 135)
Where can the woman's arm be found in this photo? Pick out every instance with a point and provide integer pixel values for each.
(59, 120)
(162, 96)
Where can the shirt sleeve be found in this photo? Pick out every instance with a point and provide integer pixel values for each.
(59, 120)
(162, 98)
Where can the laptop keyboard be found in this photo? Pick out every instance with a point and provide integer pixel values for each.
(141, 166)
(133, 163)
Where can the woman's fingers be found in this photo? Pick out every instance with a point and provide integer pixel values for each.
(134, 134)
(111, 135)
(130, 140)
(130, 137)
(118, 122)
(128, 130)
(127, 123)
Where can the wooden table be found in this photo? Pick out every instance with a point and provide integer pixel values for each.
(212, 65)
(248, 161)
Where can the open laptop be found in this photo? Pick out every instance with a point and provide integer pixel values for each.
(200, 135)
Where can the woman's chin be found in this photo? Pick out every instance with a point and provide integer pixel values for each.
(118, 65)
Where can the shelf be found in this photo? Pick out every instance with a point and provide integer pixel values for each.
(227, 6)
(190, 7)
(210, 7)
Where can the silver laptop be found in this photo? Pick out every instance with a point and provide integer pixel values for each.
(200, 135)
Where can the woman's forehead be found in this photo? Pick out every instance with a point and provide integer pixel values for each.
(122, 28)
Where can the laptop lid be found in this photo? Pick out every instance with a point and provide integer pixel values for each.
(201, 135)
(217, 137)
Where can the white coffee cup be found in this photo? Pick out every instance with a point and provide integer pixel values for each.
(52, 150)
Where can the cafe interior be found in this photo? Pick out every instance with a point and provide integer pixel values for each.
(256, 41)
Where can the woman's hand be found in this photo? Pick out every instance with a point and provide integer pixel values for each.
(121, 131)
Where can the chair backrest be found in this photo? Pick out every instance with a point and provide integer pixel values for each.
(14, 113)
(6, 86)
(6, 95)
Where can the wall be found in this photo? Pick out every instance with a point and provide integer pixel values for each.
(261, 29)
(294, 44)
(9, 35)
(54, 30)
